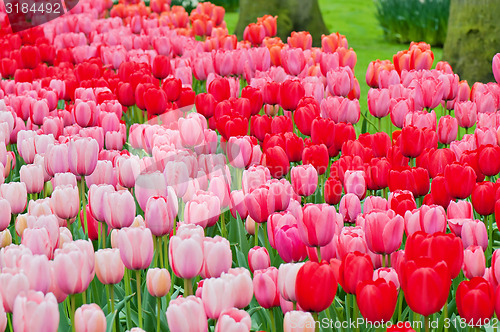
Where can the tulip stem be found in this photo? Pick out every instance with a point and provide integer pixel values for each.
(316, 321)
(445, 313)
(271, 316)
(82, 191)
(103, 236)
(383, 260)
(355, 312)
(347, 309)
(72, 311)
(112, 301)
(159, 248)
(256, 234)
(416, 320)
(127, 303)
(318, 250)
(139, 304)
(379, 125)
(165, 247)
(223, 224)
(427, 323)
(488, 222)
(188, 287)
(9, 321)
(158, 304)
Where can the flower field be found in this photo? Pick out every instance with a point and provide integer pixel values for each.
(158, 174)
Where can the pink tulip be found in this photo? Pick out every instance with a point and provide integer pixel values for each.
(191, 131)
(119, 209)
(34, 311)
(14, 282)
(114, 140)
(56, 159)
(96, 200)
(316, 228)
(25, 146)
(160, 213)
(238, 204)
(293, 60)
(203, 209)
(148, 185)
(460, 210)
(474, 233)
(5, 214)
(304, 179)
(388, 274)
(287, 275)
(104, 173)
(48, 222)
(15, 193)
(38, 241)
(289, 244)
(384, 231)
(379, 101)
(218, 257)
(242, 286)
(354, 183)
(72, 269)
(351, 239)
(65, 202)
(239, 151)
(233, 320)
(375, 203)
(496, 67)
(82, 156)
(32, 177)
(466, 113)
(136, 247)
(299, 321)
(158, 282)
(265, 285)
(63, 179)
(185, 251)
(276, 221)
(254, 177)
(258, 259)
(260, 204)
(430, 219)
(216, 296)
(3, 318)
(109, 267)
(350, 207)
(220, 186)
(37, 269)
(187, 314)
(282, 191)
(90, 317)
(447, 129)
(474, 262)
(128, 169)
(340, 81)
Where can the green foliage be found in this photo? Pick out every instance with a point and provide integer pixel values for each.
(229, 5)
(189, 5)
(404, 21)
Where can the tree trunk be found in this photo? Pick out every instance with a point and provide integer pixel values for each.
(473, 38)
(293, 15)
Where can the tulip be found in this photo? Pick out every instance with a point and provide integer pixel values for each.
(299, 321)
(304, 179)
(291, 91)
(239, 151)
(316, 155)
(316, 228)
(315, 286)
(160, 214)
(233, 320)
(377, 299)
(65, 202)
(74, 268)
(379, 102)
(119, 209)
(216, 296)
(32, 176)
(38, 240)
(109, 267)
(430, 219)
(287, 275)
(401, 201)
(475, 301)
(389, 274)
(350, 207)
(14, 283)
(158, 282)
(258, 259)
(185, 253)
(5, 238)
(136, 247)
(447, 129)
(90, 317)
(474, 262)
(489, 160)
(217, 257)
(34, 311)
(5, 214)
(355, 268)
(16, 194)
(128, 169)
(460, 180)
(260, 204)
(384, 231)
(433, 280)
(333, 191)
(82, 156)
(186, 314)
(354, 183)
(466, 113)
(265, 284)
(483, 198)
(375, 203)
(242, 286)
(276, 160)
(412, 141)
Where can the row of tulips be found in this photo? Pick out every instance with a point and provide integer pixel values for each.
(251, 211)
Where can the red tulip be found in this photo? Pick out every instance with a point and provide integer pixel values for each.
(483, 198)
(219, 88)
(438, 160)
(315, 286)
(489, 160)
(172, 87)
(294, 146)
(411, 141)
(401, 201)
(161, 66)
(426, 284)
(291, 92)
(316, 155)
(475, 301)
(333, 191)
(460, 180)
(276, 160)
(355, 268)
(377, 299)
(254, 95)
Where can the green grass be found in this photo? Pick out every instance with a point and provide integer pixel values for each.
(356, 19)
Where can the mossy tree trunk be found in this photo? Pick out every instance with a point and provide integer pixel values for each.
(293, 15)
(473, 38)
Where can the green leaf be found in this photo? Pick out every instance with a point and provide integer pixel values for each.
(110, 318)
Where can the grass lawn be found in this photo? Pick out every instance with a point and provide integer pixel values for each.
(356, 20)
